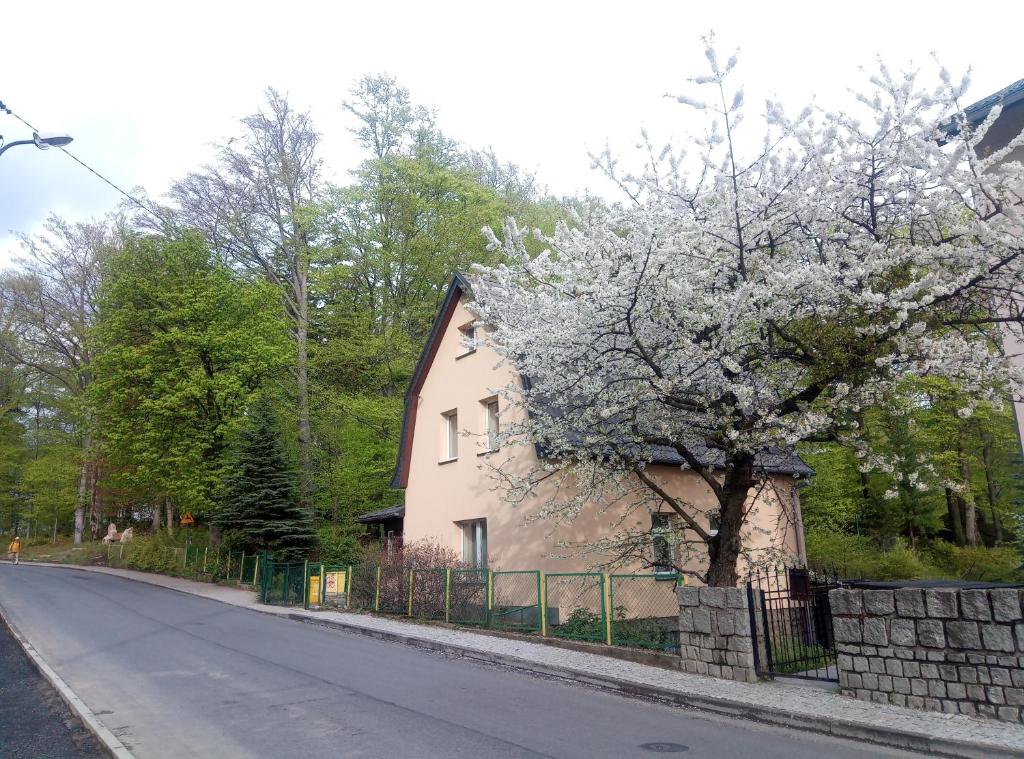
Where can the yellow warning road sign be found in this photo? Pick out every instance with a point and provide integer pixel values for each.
(187, 519)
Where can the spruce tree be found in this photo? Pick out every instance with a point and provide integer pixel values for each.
(261, 508)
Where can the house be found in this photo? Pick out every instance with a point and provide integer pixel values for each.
(1009, 124)
(448, 457)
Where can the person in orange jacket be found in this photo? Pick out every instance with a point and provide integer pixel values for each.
(14, 550)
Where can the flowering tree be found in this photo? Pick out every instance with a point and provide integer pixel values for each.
(737, 305)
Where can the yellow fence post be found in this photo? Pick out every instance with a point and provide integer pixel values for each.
(205, 550)
(447, 594)
(256, 570)
(543, 606)
(410, 590)
(322, 583)
(348, 588)
(241, 567)
(376, 594)
(607, 609)
(490, 594)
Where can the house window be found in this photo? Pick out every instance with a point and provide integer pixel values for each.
(450, 435)
(491, 424)
(468, 334)
(474, 543)
(661, 540)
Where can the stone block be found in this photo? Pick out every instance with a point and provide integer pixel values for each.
(1014, 696)
(901, 685)
(737, 599)
(879, 603)
(929, 672)
(911, 669)
(874, 632)
(966, 707)
(930, 633)
(987, 710)
(1005, 605)
(963, 634)
(727, 672)
(997, 637)
(956, 690)
(741, 643)
(909, 602)
(885, 683)
(1000, 676)
(685, 621)
(876, 665)
(936, 656)
(968, 674)
(983, 676)
(846, 602)
(974, 605)
(933, 704)
(726, 624)
(941, 603)
(906, 653)
(860, 664)
(915, 702)
(870, 681)
(702, 620)
(1017, 677)
(844, 662)
(976, 693)
(714, 670)
(846, 629)
(936, 689)
(918, 687)
(894, 667)
(955, 656)
(948, 673)
(853, 680)
(688, 596)
(1008, 714)
(995, 695)
(1018, 631)
(713, 597)
(897, 699)
(950, 707)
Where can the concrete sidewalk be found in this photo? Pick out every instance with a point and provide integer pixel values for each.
(781, 704)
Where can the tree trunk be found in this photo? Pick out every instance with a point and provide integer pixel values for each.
(990, 485)
(95, 503)
(956, 523)
(156, 518)
(169, 505)
(302, 393)
(83, 493)
(970, 510)
(724, 549)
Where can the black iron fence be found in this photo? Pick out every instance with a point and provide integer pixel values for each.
(792, 622)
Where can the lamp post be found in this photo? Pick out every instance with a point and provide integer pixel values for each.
(41, 141)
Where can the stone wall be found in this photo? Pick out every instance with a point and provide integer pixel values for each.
(714, 633)
(955, 651)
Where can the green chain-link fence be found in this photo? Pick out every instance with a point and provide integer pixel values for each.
(467, 603)
(644, 611)
(283, 583)
(576, 605)
(515, 600)
(393, 590)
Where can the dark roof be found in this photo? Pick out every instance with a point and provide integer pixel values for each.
(773, 461)
(1007, 96)
(896, 584)
(458, 286)
(1011, 95)
(391, 512)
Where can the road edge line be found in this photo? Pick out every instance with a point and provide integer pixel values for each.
(110, 742)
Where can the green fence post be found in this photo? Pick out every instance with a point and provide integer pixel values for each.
(205, 552)
(540, 604)
(411, 570)
(376, 594)
(241, 567)
(322, 597)
(447, 594)
(605, 603)
(227, 572)
(611, 609)
(348, 588)
(305, 583)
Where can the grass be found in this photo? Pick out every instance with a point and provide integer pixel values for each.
(64, 551)
(791, 656)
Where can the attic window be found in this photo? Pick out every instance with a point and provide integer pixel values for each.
(468, 334)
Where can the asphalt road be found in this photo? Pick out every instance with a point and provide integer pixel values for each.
(34, 722)
(174, 675)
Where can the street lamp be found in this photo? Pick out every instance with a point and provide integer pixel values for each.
(41, 141)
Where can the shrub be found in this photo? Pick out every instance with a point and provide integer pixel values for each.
(422, 554)
(999, 564)
(338, 545)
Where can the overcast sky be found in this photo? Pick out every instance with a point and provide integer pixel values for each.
(145, 87)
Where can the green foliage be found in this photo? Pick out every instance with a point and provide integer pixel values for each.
(582, 624)
(260, 509)
(862, 558)
(338, 544)
(182, 346)
(150, 553)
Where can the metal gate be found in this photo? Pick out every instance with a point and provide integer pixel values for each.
(792, 620)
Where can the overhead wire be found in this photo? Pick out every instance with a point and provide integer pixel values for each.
(89, 168)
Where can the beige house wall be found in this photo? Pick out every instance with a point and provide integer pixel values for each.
(441, 494)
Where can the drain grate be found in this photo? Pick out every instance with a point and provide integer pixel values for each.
(662, 747)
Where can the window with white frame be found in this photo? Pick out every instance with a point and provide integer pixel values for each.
(450, 435)
(468, 333)
(490, 424)
(663, 548)
(474, 543)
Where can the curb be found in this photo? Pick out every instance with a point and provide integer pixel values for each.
(838, 728)
(110, 742)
